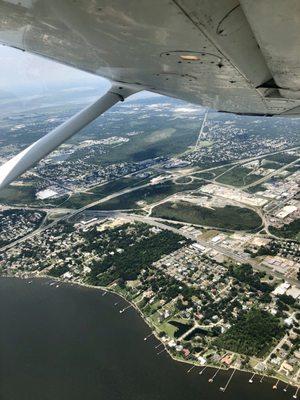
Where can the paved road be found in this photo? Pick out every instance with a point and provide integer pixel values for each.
(71, 213)
(150, 220)
(226, 252)
(146, 219)
(267, 177)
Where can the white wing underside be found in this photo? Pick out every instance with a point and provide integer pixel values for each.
(235, 56)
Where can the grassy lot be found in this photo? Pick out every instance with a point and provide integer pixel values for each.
(257, 188)
(205, 143)
(18, 195)
(163, 326)
(81, 199)
(205, 175)
(172, 326)
(228, 217)
(184, 179)
(168, 329)
(290, 231)
(26, 195)
(293, 168)
(271, 165)
(283, 158)
(218, 171)
(157, 143)
(238, 176)
(149, 195)
(181, 327)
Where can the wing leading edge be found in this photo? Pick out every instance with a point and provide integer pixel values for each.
(217, 53)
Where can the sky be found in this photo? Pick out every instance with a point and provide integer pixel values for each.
(20, 70)
(24, 74)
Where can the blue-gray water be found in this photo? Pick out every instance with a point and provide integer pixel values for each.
(71, 343)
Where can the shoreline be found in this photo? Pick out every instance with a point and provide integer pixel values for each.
(153, 331)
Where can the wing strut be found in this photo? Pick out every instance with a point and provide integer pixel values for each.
(42, 147)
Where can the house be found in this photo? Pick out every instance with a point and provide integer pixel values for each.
(227, 359)
(186, 352)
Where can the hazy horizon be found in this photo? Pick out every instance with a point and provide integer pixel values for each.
(25, 76)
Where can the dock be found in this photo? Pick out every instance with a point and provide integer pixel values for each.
(161, 351)
(251, 379)
(229, 379)
(202, 370)
(190, 369)
(214, 375)
(274, 387)
(148, 336)
(125, 309)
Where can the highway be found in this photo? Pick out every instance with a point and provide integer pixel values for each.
(71, 213)
(147, 219)
(211, 246)
(267, 177)
(158, 223)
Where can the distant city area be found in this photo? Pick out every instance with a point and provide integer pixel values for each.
(199, 232)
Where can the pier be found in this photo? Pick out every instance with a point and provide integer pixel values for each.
(276, 384)
(125, 309)
(190, 369)
(202, 370)
(229, 379)
(147, 337)
(214, 375)
(251, 379)
(161, 351)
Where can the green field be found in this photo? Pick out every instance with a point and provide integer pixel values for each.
(79, 200)
(149, 195)
(228, 217)
(219, 170)
(283, 158)
(290, 231)
(256, 188)
(271, 165)
(184, 179)
(205, 175)
(19, 195)
(238, 176)
(153, 143)
(293, 168)
(26, 195)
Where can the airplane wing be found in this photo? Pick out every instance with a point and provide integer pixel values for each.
(233, 56)
(229, 55)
